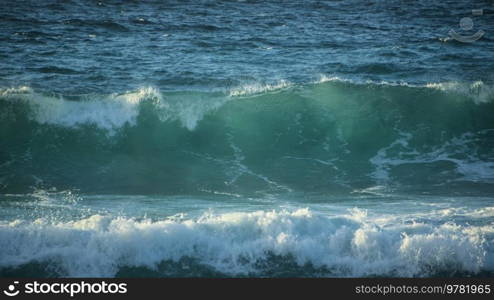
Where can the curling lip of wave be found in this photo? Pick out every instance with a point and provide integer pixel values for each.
(477, 90)
(113, 111)
(107, 112)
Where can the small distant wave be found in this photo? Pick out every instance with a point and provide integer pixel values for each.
(479, 91)
(57, 70)
(258, 88)
(104, 24)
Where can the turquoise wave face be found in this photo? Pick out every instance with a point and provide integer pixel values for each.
(329, 136)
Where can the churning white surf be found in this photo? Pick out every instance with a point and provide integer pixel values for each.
(352, 244)
(107, 112)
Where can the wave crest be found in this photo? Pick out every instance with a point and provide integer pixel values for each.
(107, 112)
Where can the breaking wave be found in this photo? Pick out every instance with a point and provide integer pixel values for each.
(330, 135)
(261, 243)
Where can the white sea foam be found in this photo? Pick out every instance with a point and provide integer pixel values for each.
(382, 162)
(331, 78)
(191, 108)
(113, 111)
(477, 90)
(349, 245)
(107, 112)
(470, 167)
(258, 88)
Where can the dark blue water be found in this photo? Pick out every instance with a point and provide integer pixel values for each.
(79, 47)
(246, 138)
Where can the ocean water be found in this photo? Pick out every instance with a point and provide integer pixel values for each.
(246, 138)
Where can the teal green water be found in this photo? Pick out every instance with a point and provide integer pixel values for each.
(322, 137)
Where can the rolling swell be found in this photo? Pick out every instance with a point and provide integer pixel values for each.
(327, 136)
